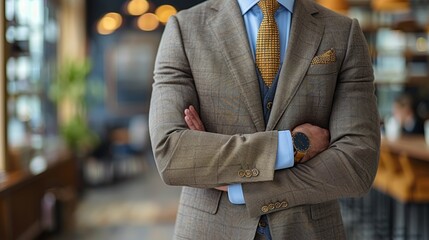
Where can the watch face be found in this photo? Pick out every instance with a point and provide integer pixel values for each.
(301, 142)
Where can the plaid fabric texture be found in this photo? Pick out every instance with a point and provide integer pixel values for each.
(204, 59)
(268, 42)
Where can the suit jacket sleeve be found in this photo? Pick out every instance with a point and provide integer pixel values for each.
(348, 167)
(194, 158)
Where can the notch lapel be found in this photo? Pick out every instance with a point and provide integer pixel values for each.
(228, 27)
(305, 37)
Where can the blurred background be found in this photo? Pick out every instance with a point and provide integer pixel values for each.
(75, 85)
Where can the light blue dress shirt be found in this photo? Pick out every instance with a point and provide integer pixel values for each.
(252, 16)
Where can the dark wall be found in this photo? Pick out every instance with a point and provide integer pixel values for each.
(97, 8)
(122, 63)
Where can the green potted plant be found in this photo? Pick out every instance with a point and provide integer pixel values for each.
(70, 90)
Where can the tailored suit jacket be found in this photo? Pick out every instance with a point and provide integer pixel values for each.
(204, 59)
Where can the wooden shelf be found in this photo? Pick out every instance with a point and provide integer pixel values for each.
(410, 81)
(408, 54)
(21, 194)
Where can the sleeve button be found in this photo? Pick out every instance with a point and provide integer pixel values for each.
(255, 172)
(248, 173)
(284, 204)
(241, 173)
(264, 208)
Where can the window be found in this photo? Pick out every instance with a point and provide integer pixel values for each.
(30, 30)
(2, 93)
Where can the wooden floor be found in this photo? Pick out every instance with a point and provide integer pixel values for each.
(139, 208)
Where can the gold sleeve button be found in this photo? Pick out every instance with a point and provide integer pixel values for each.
(277, 204)
(255, 172)
(271, 206)
(264, 209)
(284, 204)
(241, 173)
(248, 173)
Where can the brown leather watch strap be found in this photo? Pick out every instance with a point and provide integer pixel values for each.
(298, 156)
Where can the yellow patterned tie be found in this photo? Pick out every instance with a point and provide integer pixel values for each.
(268, 43)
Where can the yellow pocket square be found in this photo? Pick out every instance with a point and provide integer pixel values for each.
(325, 58)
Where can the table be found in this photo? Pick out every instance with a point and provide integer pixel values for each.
(413, 146)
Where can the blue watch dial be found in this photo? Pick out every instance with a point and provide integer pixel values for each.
(301, 142)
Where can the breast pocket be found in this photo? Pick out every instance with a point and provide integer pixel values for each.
(323, 69)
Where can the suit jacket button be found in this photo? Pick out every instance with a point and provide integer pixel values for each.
(271, 206)
(255, 172)
(241, 173)
(277, 204)
(248, 173)
(284, 204)
(264, 208)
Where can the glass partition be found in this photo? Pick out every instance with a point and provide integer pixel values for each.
(31, 48)
(2, 95)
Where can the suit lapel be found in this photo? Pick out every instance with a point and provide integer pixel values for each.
(229, 30)
(305, 36)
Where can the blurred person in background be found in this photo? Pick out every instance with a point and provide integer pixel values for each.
(404, 112)
(245, 93)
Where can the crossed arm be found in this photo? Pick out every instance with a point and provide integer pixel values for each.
(207, 160)
(319, 137)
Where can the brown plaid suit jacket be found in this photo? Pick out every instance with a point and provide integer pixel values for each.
(204, 59)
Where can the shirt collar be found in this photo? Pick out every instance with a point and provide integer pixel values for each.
(246, 5)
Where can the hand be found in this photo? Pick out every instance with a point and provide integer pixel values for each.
(194, 122)
(222, 188)
(319, 139)
(193, 119)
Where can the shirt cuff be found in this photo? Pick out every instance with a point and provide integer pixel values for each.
(285, 158)
(235, 194)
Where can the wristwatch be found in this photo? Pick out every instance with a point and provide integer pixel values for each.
(301, 144)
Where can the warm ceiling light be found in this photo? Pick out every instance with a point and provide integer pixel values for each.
(109, 23)
(164, 12)
(116, 16)
(101, 27)
(340, 6)
(390, 5)
(137, 7)
(148, 22)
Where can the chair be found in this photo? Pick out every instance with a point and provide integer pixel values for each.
(410, 186)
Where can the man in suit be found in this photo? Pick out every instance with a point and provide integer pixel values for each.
(266, 78)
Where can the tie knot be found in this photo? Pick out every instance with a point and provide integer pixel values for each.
(268, 7)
